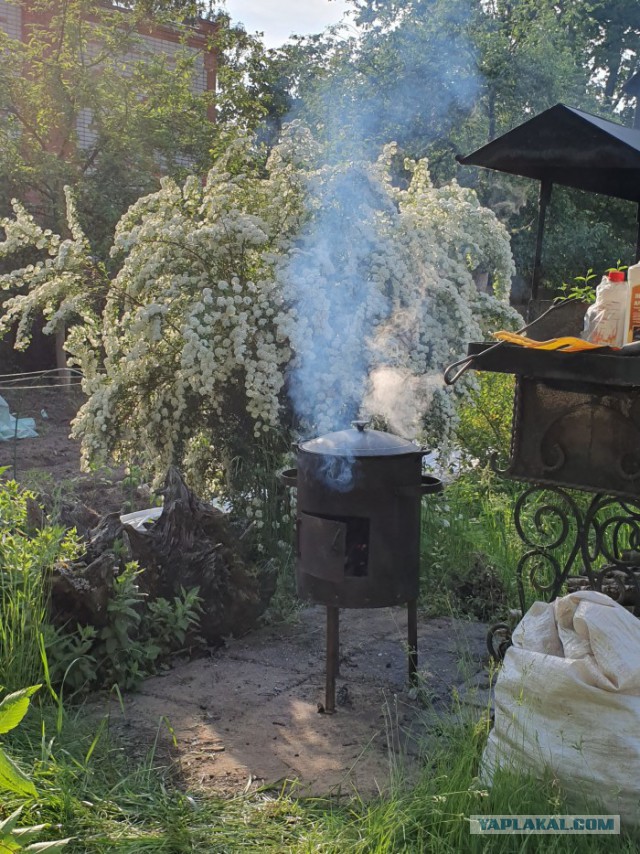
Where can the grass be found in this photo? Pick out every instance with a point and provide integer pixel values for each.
(92, 789)
(470, 549)
(25, 558)
(110, 804)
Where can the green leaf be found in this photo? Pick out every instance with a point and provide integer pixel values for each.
(25, 833)
(111, 645)
(13, 779)
(54, 845)
(14, 707)
(10, 821)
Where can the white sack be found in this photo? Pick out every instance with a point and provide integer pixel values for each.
(568, 699)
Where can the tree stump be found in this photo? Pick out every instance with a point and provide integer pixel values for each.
(190, 545)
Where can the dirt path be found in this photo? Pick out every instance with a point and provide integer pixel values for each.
(248, 716)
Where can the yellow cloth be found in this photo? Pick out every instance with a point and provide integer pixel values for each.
(567, 344)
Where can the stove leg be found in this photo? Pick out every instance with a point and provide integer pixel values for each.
(412, 623)
(333, 657)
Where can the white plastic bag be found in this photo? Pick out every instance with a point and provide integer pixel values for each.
(568, 699)
(140, 518)
(10, 427)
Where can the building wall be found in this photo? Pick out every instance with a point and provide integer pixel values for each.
(11, 19)
(165, 41)
(154, 46)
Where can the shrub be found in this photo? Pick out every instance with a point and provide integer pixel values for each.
(139, 637)
(484, 426)
(278, 295)
(27, 555)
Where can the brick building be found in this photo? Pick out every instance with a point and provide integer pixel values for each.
(20, 20)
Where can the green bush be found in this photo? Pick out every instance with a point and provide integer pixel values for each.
(27, 555)
(485, 419)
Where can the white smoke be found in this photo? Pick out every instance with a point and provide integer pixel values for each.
(400, 397)
(348, 320)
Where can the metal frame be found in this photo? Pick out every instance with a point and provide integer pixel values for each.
(596, 546)
(333, 651)
(579, 517)
(575, 544)
(566, 146)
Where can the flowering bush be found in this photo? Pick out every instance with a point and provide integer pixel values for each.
(269, 297)
(381, 281)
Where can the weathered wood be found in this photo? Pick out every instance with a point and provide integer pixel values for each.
(80, 593)
(190, 545)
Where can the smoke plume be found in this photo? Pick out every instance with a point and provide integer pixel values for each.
(338, 371)
(400, 397)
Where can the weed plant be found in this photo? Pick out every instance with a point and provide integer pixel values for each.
(27, 555)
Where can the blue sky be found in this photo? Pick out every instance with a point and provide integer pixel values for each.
(278, 19)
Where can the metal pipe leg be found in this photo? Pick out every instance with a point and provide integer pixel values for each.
(333, 657)
(412, 632)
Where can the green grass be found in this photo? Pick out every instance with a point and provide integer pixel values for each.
(470, 549)
(26, 557)
(110, 804)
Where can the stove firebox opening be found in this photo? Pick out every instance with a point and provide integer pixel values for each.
(356, 562)
(356, 548)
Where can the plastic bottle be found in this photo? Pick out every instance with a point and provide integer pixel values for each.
(605, 322)
(633, 314)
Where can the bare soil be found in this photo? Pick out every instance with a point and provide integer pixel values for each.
(247, 715)
(53, 451)
(50, 464)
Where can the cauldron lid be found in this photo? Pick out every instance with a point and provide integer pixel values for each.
(360, 442)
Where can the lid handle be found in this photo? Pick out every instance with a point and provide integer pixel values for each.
(361, 426)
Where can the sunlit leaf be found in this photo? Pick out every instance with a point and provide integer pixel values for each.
(14, 707)
(13, 779)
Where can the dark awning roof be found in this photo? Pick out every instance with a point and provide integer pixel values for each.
(567, 146)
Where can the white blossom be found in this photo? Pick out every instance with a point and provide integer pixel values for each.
(222, 291)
